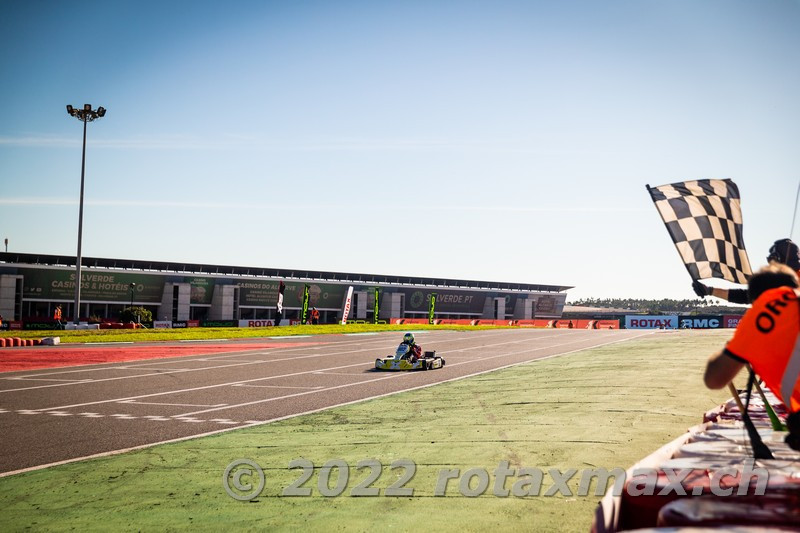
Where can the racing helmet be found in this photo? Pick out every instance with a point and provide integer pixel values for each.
(785, 251)
(408, 338)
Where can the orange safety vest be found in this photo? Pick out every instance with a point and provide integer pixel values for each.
(768, 337)
(57, 313)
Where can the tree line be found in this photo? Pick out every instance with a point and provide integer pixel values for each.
(709, 306)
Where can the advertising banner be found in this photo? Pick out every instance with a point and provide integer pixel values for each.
(202, 289)
(264, 323)
(46, 284)
(431, 307)
(304, 314)
(376, 305)
(347, 303)
(35, 324)
(651, 322)
(162, 324)
(281, 290)
(256, 323)
(217, 323)
(731, 321)
(700, 322)
(260, 293)
(545, 305)
(461, 302)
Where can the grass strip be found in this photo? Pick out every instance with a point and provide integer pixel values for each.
(156, 335)
(604, 407)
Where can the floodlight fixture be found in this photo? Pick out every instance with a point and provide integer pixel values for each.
(87, 114)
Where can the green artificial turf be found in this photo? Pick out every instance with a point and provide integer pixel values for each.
(603, 407)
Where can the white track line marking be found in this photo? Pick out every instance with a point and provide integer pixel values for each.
(295, 395)
(278, 419)
(26, 378)
(179, 391)
(338, 374)
(274, 386)
(223, 421)
(189, 419)
(134, 402)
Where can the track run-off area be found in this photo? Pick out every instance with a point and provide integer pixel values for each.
(57, 415)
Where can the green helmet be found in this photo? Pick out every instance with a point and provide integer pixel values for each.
(408, 338)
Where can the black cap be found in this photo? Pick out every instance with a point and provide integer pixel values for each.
(785, 251)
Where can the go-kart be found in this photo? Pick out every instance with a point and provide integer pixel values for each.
(403, 359)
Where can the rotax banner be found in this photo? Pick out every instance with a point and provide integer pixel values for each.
(651, 322)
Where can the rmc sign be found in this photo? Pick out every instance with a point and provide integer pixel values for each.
(701, 322)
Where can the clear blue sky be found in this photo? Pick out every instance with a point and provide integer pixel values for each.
(498, 140)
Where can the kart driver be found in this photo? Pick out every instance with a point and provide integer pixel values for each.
(416, 350)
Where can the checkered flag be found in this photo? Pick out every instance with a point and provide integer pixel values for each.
(704, 219)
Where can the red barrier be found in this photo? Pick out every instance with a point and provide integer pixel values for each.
(606, 324)
(16, 341)
(410, 320)
(2, 343)
(529, 323)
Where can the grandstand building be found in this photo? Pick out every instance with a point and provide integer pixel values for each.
(32, 285)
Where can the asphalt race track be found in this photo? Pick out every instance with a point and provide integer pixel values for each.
(61, 414)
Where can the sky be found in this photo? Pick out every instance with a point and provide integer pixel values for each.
(503, 141)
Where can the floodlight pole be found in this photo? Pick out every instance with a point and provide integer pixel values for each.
(87, 114)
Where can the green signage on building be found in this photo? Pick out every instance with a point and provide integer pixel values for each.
(46, 284)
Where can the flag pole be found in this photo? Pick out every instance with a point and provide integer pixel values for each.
(794, 215)
(773, 418)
